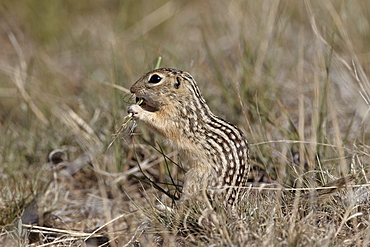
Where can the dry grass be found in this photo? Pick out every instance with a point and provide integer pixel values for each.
(292, 74)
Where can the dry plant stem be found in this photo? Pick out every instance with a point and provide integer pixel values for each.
(19, 75)
(126, 121)
(301, 138)
(155, 18)
(122, 89)
(85, 135)
(265, 41)
(107, 212)
(68, 232)
(93, 234)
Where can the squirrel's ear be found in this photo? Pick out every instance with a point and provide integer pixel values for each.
(177, 82)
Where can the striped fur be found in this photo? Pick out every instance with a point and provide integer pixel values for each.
(217, 151)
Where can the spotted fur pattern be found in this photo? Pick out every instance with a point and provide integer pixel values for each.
(217, 151)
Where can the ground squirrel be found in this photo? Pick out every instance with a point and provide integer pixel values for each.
(217, 151)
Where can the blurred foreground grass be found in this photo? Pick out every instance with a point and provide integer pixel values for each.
(292, 74)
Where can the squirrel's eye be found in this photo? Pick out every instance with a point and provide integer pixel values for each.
(155, 79)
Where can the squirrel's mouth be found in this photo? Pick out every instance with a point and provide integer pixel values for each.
(145, 105)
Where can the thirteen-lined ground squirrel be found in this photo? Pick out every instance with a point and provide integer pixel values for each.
(216, 150)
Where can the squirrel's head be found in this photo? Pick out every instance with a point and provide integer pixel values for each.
(165, 87)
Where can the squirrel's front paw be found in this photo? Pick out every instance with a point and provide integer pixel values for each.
(135, 111)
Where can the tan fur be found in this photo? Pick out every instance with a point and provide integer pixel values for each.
(217, 151)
